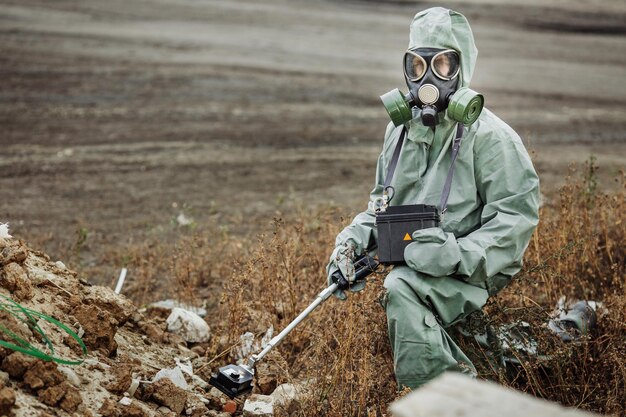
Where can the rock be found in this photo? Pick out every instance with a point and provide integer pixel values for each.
(99, 326)
(12, 251)
(121, 379)
(165, 411)
(189, 325)
(43, 375)
(216, 398)
(37, 274)
(110, 408)
(17, 363)
(175, 375)
(270, 373)
(70, 375)
(169, 395)
(229, 407)
(117, 305)
(51, 396)
(14, 278)
(286, 398)
(4, 379)
(194, 407)
(7, 401)
(71, 400)
(16, 326)
(170, 304)
(258, 406)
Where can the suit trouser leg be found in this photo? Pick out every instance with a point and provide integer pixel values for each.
(419, 308)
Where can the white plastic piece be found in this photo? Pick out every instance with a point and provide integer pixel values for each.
(4, 231)
(188, 325)
(120, 280)
(169, 304)
(126, 401)
(133, 387)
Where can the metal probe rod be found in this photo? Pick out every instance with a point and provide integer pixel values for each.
(321, 297)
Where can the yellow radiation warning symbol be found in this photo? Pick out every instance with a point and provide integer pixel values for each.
(407, 237)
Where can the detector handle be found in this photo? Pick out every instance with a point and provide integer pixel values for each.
(363, 266)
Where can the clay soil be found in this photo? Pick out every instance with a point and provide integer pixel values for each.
(117, 116)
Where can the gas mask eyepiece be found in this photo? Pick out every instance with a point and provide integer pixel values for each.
(432, 76)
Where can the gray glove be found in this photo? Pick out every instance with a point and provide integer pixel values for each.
(342, 259)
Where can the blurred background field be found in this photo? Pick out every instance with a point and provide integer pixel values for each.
(166, 136)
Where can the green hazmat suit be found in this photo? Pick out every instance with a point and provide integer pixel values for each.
(492, 211)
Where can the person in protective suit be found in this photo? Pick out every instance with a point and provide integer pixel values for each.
(450, 270)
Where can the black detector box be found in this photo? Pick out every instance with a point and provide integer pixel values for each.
(397, 224)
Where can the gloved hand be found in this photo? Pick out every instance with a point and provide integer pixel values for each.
(433, 252)
(342, 259)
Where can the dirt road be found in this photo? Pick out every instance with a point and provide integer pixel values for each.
(117, 116)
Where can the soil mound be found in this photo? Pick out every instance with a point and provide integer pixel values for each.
(125, 348)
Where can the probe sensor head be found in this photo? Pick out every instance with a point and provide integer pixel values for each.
(232, 380)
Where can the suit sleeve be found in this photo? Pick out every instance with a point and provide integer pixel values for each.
(492, 254)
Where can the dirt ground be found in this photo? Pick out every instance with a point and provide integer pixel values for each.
(116, 116)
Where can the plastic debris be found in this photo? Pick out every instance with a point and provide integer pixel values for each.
(248, 345)
(189, 325)
(126, 401)
(183, 220)
(575, 320)
(170, 304)
(4, 231)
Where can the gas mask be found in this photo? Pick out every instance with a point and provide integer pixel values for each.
(432, 76)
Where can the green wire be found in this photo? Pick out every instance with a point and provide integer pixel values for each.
(16, 310)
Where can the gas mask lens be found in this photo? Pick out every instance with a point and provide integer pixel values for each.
(445, 65)
(414, 66)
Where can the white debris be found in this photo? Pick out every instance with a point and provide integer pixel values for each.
(258, 406)
(189, 325)
(133, 387)
(170, 304)
(4, 231)
(248, 345)
(184, 366)
(285, 397)
(173, 374)
(183, 220)
(126, 401)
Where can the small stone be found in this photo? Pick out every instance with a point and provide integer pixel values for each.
(4, 379)
(7, 401)
(100, 328)
(121, 379)
(71, 376)
(195, 407)
(286, 398)
(189, 325)
(164, 410)
(42, 375)
(17, 363)
(15, 279)
(259, 406)
(229, 407)
(169, 395)
(71, 400)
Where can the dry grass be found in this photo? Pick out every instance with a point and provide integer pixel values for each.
(343, 350)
